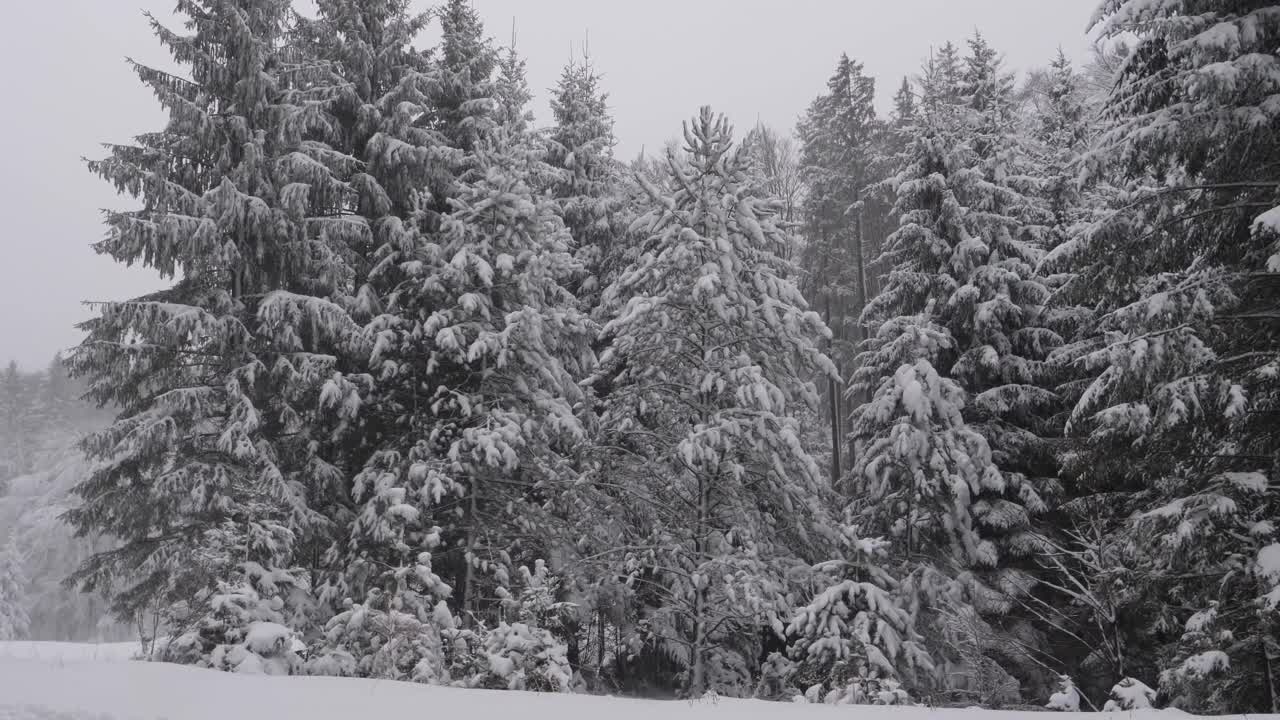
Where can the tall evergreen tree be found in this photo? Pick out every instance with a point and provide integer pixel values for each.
(1064, 134)
(382, 116)
(710, 348)
(953, 462)
(226, 383)
(836, 154)
(481, 335)
(463, 98)
(1184, 362)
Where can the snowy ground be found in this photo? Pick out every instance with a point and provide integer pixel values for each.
(63, 681)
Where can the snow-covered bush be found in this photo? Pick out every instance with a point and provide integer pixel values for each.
(398, 634)
(777, 674)
(267, 648)
(518, 656)
(1194, 682)
(855, 639)
(1130, 694)
(382, 639)
(246, 626)
(1067, 698)
(536, 603)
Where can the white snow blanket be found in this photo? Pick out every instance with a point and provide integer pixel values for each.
(74, 685)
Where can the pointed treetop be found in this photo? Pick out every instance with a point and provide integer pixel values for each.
(464, 45)
(904, 104)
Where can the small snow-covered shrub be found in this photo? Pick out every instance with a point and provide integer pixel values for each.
(381, 639)
(267, 648)
(1130, 694)
(246, 628)
(518, 656)
(849, 683)
(1067, 698)
(242, 626)
(855, 642)
(464, 657)
(777, 675)
(1195, 680)
(397, 633)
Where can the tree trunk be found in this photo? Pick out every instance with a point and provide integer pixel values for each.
(468, 582)
(860, 265)
(599, 643)
(834, 401)
(1271, 658)
(698, 673)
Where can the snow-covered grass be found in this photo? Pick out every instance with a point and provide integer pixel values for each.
(96, 682)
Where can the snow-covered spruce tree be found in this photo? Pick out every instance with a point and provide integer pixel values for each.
(1186, 271)
(709, 348)
(1087, 588)
(462, 98)
(1063, 132)
(511, 92)
(591, 193)
(491, 343)
(410, 115)
(951, 460)
(228, 395)
(524, 654)
(1015, 405)
(836, 135)
(14, 619)
(387, 597)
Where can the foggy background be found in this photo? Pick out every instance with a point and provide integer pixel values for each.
(661, 59)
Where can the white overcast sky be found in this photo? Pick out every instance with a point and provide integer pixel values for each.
(67, 89)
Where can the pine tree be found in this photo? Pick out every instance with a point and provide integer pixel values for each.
(511, 91)
(382, 584)
(1064, 135)
(591, 196)
(589, 188)
(503, 315)
(462, 100)
(953, 460)
(489, 343)
(940, 81)
(904, 104)
(710, 345)
(836, 137)
(14, 620)
(1183, 363)
(229, 399)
